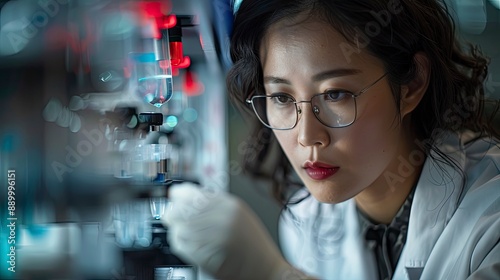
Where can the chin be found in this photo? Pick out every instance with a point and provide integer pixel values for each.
(328, 195)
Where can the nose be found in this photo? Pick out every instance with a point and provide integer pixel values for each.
(311, 131)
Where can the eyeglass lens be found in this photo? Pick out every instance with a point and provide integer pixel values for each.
(281, 112)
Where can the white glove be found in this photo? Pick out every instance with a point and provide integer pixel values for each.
(219, 233)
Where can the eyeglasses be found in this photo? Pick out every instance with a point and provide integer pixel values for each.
(334, 108)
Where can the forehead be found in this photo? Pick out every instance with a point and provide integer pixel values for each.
(310, 43)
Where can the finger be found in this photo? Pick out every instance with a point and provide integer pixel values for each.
(186, 212)
(182, 199)
(182, 191)
(199, 252)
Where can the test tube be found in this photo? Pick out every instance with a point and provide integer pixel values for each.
(155, 170)
(152, 74)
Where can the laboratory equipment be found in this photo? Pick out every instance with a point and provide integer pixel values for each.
(91, 88)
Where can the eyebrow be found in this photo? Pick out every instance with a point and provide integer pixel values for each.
(317, 77)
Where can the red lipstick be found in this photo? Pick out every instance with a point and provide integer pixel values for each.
(319, 171)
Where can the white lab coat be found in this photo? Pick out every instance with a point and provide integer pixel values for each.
(453, 232)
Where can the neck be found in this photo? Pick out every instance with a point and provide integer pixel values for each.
(382, 207)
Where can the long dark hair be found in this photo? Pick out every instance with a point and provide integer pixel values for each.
(454, 100)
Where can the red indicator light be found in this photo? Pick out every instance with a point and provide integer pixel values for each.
(192, 85)
(169, 21)
(176, 53)
(186, 62)
(155, 8)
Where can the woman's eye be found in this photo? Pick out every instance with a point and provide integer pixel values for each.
(281, 99)
(335, 95)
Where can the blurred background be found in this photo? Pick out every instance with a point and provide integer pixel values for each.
(106, 103)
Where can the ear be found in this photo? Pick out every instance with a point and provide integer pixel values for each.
(412, 93)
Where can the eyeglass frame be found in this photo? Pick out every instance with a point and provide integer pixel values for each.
(298, 110)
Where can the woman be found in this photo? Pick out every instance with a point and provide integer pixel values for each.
(380, 113)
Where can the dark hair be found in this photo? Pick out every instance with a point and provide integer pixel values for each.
(404, 29)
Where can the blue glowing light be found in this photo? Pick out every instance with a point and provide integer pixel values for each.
(190, 115)
(172, 121)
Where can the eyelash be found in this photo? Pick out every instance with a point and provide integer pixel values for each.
(328, 91)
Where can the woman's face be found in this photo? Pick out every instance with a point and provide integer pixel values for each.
(334, 163)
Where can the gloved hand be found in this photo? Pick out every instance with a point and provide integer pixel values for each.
(219, 233)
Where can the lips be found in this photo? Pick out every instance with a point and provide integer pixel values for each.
(319, 171)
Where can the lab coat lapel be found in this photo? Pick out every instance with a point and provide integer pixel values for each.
(436, 196)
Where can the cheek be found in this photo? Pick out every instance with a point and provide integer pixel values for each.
(285, 139)
(288, 142)
(375, 136)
